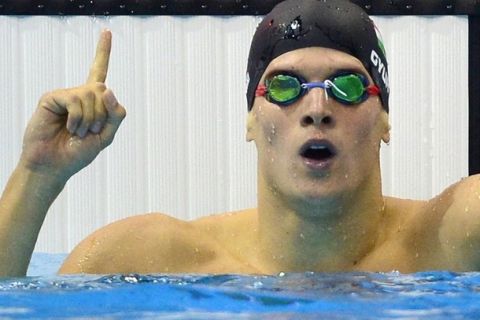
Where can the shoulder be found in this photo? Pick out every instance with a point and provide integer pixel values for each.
(447, 228)
(459, 232)
(144, 243)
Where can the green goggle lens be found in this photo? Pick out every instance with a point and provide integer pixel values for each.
(284, 88)
(349, 88)
(346, 88)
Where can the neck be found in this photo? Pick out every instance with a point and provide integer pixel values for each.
(329, 234)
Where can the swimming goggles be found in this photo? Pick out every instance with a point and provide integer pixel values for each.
(346, 87)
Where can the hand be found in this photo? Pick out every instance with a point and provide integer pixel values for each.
(71, 126)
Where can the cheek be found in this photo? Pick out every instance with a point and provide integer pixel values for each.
(363, 130)
(272, 123)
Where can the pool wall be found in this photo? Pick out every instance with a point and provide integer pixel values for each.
(182, 148)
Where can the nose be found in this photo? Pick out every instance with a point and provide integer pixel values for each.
(317, 109)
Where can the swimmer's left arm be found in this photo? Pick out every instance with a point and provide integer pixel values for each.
(459, 233)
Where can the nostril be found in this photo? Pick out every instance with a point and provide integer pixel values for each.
(327, 120)
(306, 121)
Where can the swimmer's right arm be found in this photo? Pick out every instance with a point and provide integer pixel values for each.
(67, 131)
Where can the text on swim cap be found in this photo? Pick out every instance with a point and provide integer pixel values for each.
(377, 62)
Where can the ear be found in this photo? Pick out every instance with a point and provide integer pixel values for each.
(251, 120)
(386, 127)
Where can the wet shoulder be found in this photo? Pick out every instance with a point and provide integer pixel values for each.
(230, 227)
(444, 232)
(144, 243)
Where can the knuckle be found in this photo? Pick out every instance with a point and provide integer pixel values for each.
(45, 97)
(100, 86)
(74, 99)
(89, 95)
(122, 113)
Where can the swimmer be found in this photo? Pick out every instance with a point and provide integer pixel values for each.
(320, 77)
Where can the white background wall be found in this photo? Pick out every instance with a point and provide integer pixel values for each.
(182, 149)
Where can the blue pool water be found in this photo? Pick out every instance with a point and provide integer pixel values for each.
(427, 295)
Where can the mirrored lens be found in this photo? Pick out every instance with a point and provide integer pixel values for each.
(283, 88)
(348, 87)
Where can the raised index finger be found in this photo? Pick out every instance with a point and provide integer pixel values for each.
(99, 68)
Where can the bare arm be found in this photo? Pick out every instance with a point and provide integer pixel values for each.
(67, 131)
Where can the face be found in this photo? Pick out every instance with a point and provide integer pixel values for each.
(316, 147)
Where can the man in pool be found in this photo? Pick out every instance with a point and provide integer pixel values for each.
(318, 104)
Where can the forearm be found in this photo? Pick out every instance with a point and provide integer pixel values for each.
(23, 207)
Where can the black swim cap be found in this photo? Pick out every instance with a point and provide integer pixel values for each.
(335, 24)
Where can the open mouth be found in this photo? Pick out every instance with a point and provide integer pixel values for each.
(317, 150)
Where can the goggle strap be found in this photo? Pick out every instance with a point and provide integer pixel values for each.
(373, 90)
(261, 91)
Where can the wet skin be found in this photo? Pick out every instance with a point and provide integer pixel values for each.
(325, 215)
(329, 216)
